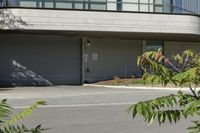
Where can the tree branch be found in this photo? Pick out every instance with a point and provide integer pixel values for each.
(172, 65)
(193, 91)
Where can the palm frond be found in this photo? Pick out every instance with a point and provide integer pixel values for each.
(24, 113)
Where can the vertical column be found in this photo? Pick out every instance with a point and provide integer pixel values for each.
(144, 42)
(83, 62)
(86, 44)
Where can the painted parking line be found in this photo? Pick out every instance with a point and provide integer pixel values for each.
(79, 105)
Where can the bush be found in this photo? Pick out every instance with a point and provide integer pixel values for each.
(158, 69)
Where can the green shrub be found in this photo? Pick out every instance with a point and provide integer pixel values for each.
(185, 72)
(138, 81)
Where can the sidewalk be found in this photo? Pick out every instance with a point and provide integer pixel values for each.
(140, 87)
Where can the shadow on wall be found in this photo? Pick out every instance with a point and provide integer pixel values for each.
(23, 76)
(9, 21)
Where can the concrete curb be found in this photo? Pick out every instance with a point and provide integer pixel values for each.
(140, 87)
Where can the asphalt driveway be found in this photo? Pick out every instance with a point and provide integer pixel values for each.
(81, 109)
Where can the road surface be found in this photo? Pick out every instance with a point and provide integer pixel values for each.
(81, 109)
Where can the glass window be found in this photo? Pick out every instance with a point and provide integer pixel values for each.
(98, 6)
(158, 9)
(159, 2)
(158, 5)
(130, 1)
(63, 4)
(28, 3)
(112, 5)
(9, 2)
(151, 1)
(151, 8)
(48, 3)
(193, 6)
(87, 6)
(97, 0)
(130, 7)
(154, 45)
(40, 3)
(199, 7)
(111, 1)
(78, 5)
(168, 6)
(144, 7)
(151, 5)
(184, 5)
(178, 6)
(144, 1)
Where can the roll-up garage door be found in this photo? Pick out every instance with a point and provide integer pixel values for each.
(39, 60)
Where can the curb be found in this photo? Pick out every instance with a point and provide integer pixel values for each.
(140, 87)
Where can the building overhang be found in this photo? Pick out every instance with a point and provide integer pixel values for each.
(113, 35)
(97, 23)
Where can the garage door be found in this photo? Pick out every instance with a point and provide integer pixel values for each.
(39, 60)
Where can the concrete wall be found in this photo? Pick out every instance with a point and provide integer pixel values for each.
(39, 60)
(68, 20)
(115, 57)
(172, 48)
(177, 47)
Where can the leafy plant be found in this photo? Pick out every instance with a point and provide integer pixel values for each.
(9, 123)
(183, 71)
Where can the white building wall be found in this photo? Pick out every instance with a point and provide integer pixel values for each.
(68, 20)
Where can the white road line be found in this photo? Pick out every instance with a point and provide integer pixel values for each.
(78, 105)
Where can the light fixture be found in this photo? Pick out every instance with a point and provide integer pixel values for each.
(88, 43)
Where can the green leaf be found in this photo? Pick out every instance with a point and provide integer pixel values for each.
(24, 113)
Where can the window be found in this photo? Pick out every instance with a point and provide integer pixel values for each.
(48, 3)
(98, 4)
(9, 2)
(158, 5)
(154, 45)
(158, 2)
(111, 4)
(130, 5)
(63, 4)
(168, 6)
(193, 6)
(178, 6)
(28, 3)
(158, 9)
(151, 5)
(144, 5)
(78, 5)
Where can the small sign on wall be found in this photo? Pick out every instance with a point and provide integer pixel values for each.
(85, 57)
(94, 56)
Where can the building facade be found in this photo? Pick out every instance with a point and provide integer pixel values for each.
(56, 42)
